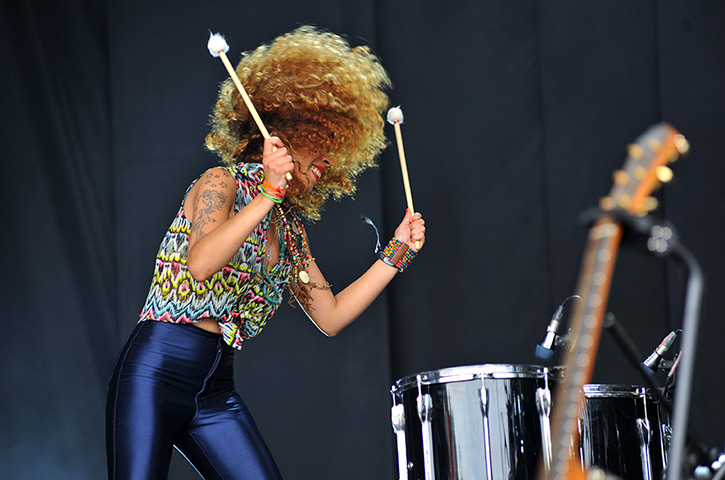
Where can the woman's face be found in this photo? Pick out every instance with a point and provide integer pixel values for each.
(309, 166)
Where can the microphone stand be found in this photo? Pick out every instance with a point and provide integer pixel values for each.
(662, 240)
(634, 355)
(683, 387)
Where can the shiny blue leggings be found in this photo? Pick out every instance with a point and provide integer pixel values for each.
(173, 386)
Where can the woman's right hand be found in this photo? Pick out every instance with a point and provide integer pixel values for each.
(276, 161)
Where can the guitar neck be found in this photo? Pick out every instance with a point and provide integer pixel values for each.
(593, 288)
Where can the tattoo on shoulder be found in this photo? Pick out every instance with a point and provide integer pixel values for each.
(208, 202)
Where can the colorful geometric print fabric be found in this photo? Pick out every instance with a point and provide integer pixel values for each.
(242, 296)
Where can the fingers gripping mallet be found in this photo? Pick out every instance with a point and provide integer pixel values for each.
(218, 47)
(395, 118)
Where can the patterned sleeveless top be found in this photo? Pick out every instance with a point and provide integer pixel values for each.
(242, 296)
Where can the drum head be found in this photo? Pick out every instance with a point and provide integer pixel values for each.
(596, 390)
(469, 372)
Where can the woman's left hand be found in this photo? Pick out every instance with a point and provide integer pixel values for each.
(412, 230)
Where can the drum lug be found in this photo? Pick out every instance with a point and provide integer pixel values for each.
(666, 438)
(484, 400)
(644, 433)
(397, 414)
(543, 402)
(425, 412)
(483, 395)
(425, 407)
(543, 405)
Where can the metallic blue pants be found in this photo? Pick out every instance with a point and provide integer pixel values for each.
(173, 385)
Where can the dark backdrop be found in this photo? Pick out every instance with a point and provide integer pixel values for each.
(516, 114)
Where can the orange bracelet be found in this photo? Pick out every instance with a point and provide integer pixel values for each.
(272, 190)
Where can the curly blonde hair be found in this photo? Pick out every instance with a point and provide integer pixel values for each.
(311, 89)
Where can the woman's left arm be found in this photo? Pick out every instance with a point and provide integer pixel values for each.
(331, 313)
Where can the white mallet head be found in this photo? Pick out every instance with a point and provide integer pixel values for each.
(217, 44)
(395, 115)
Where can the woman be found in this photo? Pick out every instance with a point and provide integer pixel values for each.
(237, 242)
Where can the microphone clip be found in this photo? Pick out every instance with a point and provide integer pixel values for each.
(551, 339)
(656, 360)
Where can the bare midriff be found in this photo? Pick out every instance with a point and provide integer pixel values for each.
(210, 325)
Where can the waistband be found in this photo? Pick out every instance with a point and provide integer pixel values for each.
(196, 349)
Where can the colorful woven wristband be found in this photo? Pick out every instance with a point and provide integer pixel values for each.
(397, 254)
(405, 261)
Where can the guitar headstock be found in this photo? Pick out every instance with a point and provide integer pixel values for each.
(645, 169)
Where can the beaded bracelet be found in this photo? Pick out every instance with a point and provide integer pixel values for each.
(407, 257)
(397, 254)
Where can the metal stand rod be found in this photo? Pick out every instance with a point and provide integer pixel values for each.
(683, 387)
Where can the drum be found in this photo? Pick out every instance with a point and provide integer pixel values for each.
(624, 432)
(473, 422)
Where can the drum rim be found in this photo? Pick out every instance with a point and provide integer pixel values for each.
(602, 390)
(470, 372)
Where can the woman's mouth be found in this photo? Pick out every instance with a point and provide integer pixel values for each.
(317, 172)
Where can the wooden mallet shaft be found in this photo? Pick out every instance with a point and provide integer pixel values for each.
(395, 117)
(235, 78)
(403, 166)
(243, 92)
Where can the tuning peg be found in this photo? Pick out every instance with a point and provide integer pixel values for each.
(635, 151)
(646, 205)
(607, 203)
(624, 201)
(654, 145)
(621, 178)
(640, 173)
(664, 174)
(650, 203)
(681, 144)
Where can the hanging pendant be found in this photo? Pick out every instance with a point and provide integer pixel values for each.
(304, 276)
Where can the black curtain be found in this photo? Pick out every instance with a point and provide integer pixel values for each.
(59, 288)
(516, 114)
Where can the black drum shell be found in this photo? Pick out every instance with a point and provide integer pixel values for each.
(608, 435)
(457, 421)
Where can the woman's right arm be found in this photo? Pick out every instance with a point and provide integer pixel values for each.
(216, 232)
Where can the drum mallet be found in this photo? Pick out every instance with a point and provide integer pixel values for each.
(395, 118)
(218, 47)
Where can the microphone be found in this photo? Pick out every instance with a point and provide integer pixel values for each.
(652, 363)
(545, 348)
